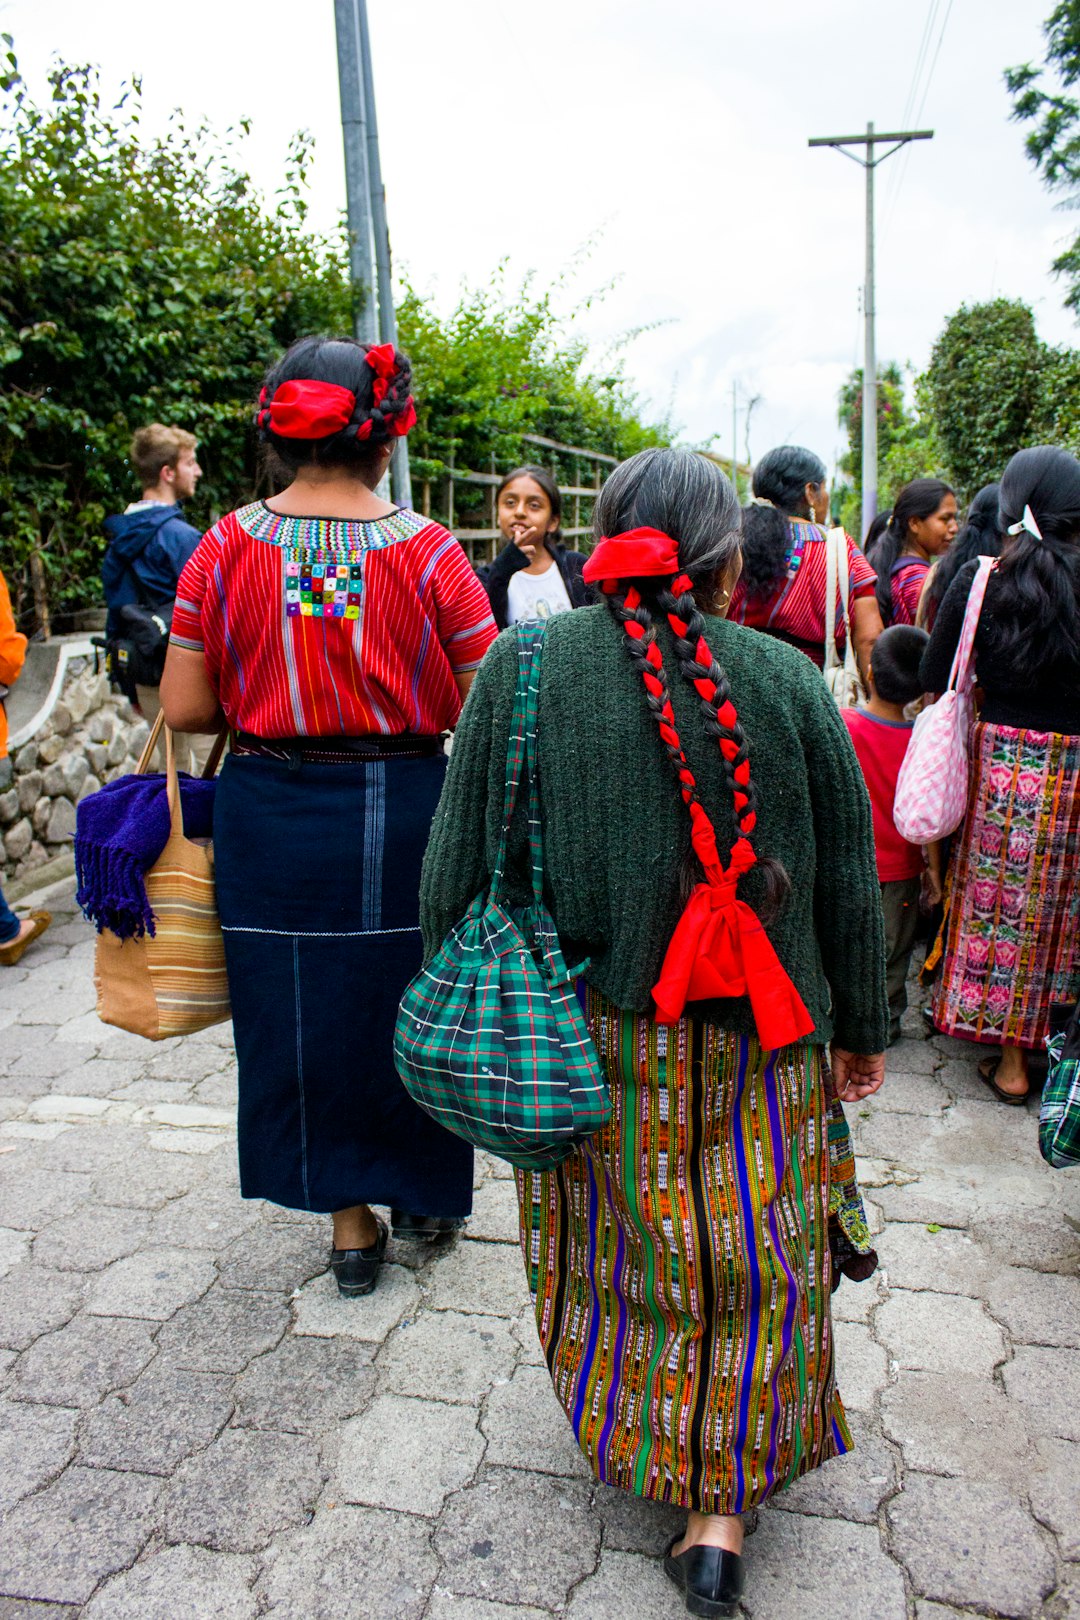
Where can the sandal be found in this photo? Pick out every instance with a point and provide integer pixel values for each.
(988, 1068)
(12, 952)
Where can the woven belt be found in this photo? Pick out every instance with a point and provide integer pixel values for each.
(297, 751)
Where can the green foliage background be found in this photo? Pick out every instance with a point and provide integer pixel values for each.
(147, 279)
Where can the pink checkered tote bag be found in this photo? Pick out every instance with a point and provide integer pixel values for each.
(931, 791)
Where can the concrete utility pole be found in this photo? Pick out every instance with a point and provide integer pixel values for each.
(369, 237)
(869, 391)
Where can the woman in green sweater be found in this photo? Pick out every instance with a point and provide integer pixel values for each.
(680, 1260)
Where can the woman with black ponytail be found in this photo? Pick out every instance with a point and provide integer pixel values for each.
(784, 581)
(1011, 947)
(337, 635)
(922, 527)
(979, 537)
(709, 860)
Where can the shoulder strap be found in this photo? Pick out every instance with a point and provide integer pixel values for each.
(961, 664)
(832, 660)
(521, 742)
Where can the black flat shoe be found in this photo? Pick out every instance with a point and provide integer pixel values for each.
(424, 1228)
(357, 1270)
(711, 1579)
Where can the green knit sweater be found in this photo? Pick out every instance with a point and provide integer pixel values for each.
(616, 832)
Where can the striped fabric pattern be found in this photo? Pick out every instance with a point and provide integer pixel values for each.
(315, 627)
(1012, 940)
(186, 956)
(796, 609)
(907, 581)
(679, 1263)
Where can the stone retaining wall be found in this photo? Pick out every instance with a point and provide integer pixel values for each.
(92, 735)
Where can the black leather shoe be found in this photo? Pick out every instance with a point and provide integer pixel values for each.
(357, 1270)
(424, 1228)
(711, 1579)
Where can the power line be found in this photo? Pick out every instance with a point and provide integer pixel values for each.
(901, 173)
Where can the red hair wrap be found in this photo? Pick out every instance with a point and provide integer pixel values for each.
(307, 409)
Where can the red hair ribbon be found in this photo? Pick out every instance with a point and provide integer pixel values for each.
(382, 362)
(307, 409)
(637, 554)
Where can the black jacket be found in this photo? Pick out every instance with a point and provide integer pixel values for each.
(496, 576)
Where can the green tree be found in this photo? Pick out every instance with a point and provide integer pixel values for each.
(984, 389)
(1041, 97)
(139, 280)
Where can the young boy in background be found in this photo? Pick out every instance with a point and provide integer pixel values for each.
(881, 736)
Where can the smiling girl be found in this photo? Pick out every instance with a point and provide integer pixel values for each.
(534, 576)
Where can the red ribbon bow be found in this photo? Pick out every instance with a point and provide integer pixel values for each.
(307, 409)
(381, 360)
(720, 949)
(637, 554)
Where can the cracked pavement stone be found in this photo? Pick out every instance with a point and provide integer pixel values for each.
(206, 1218)
(495, 1212)
(860, 1365)
(305, 1386)
(1054, 1488)
(92, 1239)
(60, 1543)
(849, 1487)
(448, 1606)
(1036, 1306)
(518, 1538)
(967, 1542)
(446, 1356)
(165, 1416)
(350, 1564)
(224, 1331)
(952, 1423)
(801, 1568)
(1045, 1384)
(275, 1257)
(939, 1333)
(34, 1301)
(36, 1444)
(1042, 1242)
(181, 1583)
(149, 1181)
(480, 1278)
(633, 1523)
(320, 1309)
(407, 1454)
(624, 1584)
(83, 1361)
(527, 1428)
(242, 1490)
(945, 1262)
(14, 1249)
(152, 1284)
(31, 1197)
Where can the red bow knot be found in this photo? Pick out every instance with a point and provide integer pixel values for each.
(307, 409)
(720, 949)
(637, 554)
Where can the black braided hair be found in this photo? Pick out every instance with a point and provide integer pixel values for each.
(342, 361)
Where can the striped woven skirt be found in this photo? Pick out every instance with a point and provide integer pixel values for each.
(1012, 934)
(679, 1263)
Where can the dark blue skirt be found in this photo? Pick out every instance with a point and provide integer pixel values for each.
(318, 882)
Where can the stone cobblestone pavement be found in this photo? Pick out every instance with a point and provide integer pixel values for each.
(195, 1425)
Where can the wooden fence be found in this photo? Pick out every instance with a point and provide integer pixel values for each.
(483, 544)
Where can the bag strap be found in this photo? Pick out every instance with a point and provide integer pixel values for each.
(832, 661)
(213, 759)
(521, 744)
(961, 664)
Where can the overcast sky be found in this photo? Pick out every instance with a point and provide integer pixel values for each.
(674, 135)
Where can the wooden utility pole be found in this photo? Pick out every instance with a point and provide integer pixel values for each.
(869, 389)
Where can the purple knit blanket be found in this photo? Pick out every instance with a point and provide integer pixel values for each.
(120, 832)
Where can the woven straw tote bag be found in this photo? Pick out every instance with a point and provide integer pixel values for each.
(172, 982)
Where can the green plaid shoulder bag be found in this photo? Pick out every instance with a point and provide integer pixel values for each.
(1059, 1111)
(491, 1038)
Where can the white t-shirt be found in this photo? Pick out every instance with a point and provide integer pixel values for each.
(536, 596)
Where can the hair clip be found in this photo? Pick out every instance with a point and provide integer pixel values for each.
(1026, 522)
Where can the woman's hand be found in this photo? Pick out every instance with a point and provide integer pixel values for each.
(527, 538)
(856, 1074)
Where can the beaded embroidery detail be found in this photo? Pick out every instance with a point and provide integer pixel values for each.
(323, 558)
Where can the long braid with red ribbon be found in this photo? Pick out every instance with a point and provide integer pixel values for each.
(719, 948)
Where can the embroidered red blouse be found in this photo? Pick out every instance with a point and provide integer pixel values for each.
(795, 610)
(316, 627)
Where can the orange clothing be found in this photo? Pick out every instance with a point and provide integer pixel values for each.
(12, 654)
